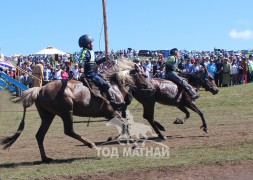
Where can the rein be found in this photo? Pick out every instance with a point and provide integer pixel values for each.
(141, 84)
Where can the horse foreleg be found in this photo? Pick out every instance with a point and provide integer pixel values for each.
(123, 111)
(69, 131)
(187, 115)
(159, 126)
(149, 115)
(46, 121)
(196, 109)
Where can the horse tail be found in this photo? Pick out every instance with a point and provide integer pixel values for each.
(8, 141)
(29, 96)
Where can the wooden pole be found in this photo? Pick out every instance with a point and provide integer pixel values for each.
(107, 52)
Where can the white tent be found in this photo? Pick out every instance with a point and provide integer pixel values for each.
(1, 56)
(50, 50)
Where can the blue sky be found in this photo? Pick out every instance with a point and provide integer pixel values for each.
(28, 26)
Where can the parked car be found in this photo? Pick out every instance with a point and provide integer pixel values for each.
(146, 53)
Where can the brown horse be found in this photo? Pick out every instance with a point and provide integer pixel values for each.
(65, 99)
(168, 93)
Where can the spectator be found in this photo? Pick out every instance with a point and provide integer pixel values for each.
(38, 73)
(188, 65)
(146, 72)
(57, 72)
(240, 71)
(76, 57)
(226, 73)
(245, 69)
(11, 73)
(75, 72)
(251, 67)
(194, 68)
(218, 75)
(181, 64)
(64, 74)
(207, 61)
(154, 65)
(148, 67)
(160, 72)
(211, 67)
(52, 61)
(47, 73)
(234, 71)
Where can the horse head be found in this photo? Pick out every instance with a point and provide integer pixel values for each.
(206, 80)
(134, 78)
(141, 79)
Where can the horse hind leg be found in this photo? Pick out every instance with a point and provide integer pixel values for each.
(69, 131)
(46, 121)
(187, 115)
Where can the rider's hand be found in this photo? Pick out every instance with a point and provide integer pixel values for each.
(179, 70)
(107, 56)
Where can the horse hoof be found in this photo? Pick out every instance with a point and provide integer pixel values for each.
(135, 147)
(178, 121)
(109, 139)
(205, 130)
(162, 137)
(47, 160)
(92, 145)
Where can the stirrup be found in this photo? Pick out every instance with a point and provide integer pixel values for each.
(194, 97)
(117, 105)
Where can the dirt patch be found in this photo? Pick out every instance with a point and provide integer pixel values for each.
(229, 170)
(226, 132)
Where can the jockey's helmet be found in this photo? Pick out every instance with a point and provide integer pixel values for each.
(84, 40)
(173, 52)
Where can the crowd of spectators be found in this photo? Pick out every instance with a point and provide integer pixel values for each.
(227, 69)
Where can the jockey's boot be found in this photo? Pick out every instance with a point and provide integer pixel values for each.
(192, 92)
(115, 105)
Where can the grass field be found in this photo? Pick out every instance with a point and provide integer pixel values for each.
(229, 116)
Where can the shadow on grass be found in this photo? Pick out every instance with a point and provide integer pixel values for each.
(113, 141)
(56, 161)
(92, 121)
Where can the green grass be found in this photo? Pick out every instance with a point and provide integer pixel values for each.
(232, 106)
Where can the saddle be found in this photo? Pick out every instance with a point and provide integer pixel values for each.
(92, 87)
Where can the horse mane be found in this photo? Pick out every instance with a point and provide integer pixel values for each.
(121, 78)
(121, 75)
(124, 64)
(191, 76)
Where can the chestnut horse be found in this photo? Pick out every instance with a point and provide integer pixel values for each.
(168, 93)
(65, 99)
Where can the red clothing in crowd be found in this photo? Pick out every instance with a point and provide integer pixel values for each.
(245, 67)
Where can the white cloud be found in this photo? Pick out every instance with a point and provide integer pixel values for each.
(247, 34)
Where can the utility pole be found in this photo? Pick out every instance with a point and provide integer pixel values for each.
(107, 52)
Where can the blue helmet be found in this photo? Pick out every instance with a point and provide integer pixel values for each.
(136, 59)
(84, 40)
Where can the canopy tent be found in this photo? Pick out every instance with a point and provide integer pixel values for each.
(17, 55)
(49, 51)
(1, 56)
(6, 65)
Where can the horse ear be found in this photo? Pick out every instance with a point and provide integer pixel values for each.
(137, 67)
